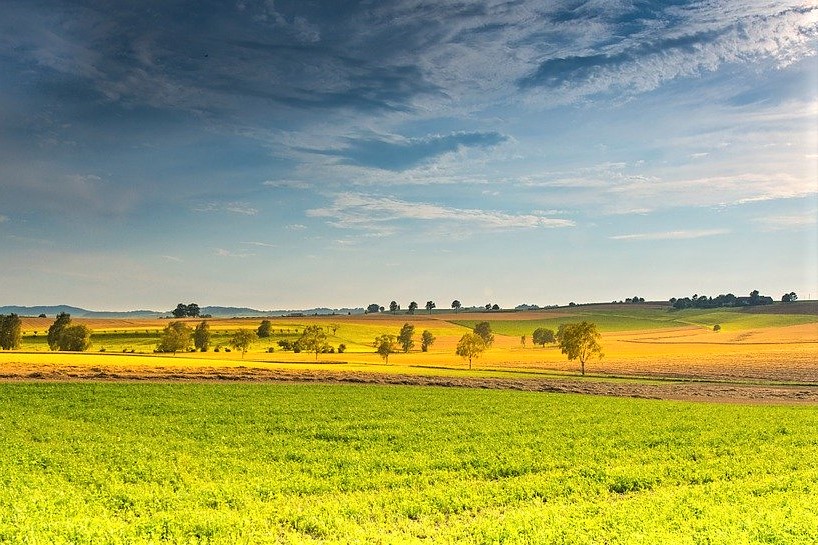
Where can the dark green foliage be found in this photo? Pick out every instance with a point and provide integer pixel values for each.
(483, 330)
(426, 340)
(11, 336)
(75, 338)
(265, 329)
(201, 336)
(405, 337)
(176, 337)
(55, 330)
(543, 336)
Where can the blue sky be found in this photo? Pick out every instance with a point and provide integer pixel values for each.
(295, 154)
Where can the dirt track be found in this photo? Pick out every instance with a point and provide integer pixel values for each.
(677, 390)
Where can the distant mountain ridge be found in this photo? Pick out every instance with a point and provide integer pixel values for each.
(214, 311)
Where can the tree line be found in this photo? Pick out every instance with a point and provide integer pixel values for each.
(725, 300)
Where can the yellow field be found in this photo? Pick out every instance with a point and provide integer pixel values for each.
(781, 353)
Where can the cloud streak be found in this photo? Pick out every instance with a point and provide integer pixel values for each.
(357, 211)
(673, 235)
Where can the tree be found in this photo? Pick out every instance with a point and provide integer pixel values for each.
(495, 306)
(201, 336)
(456, 305)
(488, 306)
(413, 306)
(471, 345)
(373, 308)
(313, 339)
(483, 330)
(265, 329)
(522, 340)
(405, 337)
(242, 339)
(180, 311)
(11, 336)
(426, 340)
(175, 337)
(579, 341)
(789, 297)
(75, 338)
(193, 310)
(334, 326)
(385, 345)
(542, 336)
(430, 305)
(393, 307)
(55, 330)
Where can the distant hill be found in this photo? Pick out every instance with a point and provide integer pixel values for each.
(77, 312)
(216, 312)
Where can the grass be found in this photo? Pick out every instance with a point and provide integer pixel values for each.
(243, 463)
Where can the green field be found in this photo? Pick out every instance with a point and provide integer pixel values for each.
(244, 463)
(641, 318)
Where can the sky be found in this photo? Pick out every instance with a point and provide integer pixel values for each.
(299, 154)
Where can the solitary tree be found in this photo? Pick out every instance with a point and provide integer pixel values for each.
(483, 330)
(11, 336)
(55, 330)
(456, 305)
(470, 346)
(405, 337)
(265, 329)
(242, 339)
(393, 307)
(201, 336)
(313, 339)
(334, 326)
(543, 336)
(426, 340)
(175, 337)
(413, 306)
(430, 305)
(579, 341)
(75, 338)
(373, 308)
(522, 340)
(385, 345)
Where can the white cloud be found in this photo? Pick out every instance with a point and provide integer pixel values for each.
(787, 222)
(232, 207)
(351, 210)
(288, 184)
(173, 258)
(259, 244)
(295, 227)
(221, 252)
(673, 235)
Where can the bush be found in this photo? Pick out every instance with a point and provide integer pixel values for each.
(342, 348)
(717, 327)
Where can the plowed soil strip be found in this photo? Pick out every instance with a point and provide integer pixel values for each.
(721, 392)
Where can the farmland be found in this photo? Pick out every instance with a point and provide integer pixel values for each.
(127, 446)
(262, 463)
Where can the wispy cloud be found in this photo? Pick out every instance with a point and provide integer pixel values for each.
(173, 258)
(259, 244)
(287, 184)
(221, 252)
(357, 211)
(403, 153)
(232, 207)
(788, 222)
(673, 235)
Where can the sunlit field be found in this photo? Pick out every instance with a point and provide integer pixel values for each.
(637, 341)
(263, 463)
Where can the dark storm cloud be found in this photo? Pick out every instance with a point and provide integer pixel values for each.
(405, 154)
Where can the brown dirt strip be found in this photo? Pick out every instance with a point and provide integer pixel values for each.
(688, 391)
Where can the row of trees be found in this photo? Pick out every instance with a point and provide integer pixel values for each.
(728, 300)
(578, 341)
(413, 306)
(388, 344)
